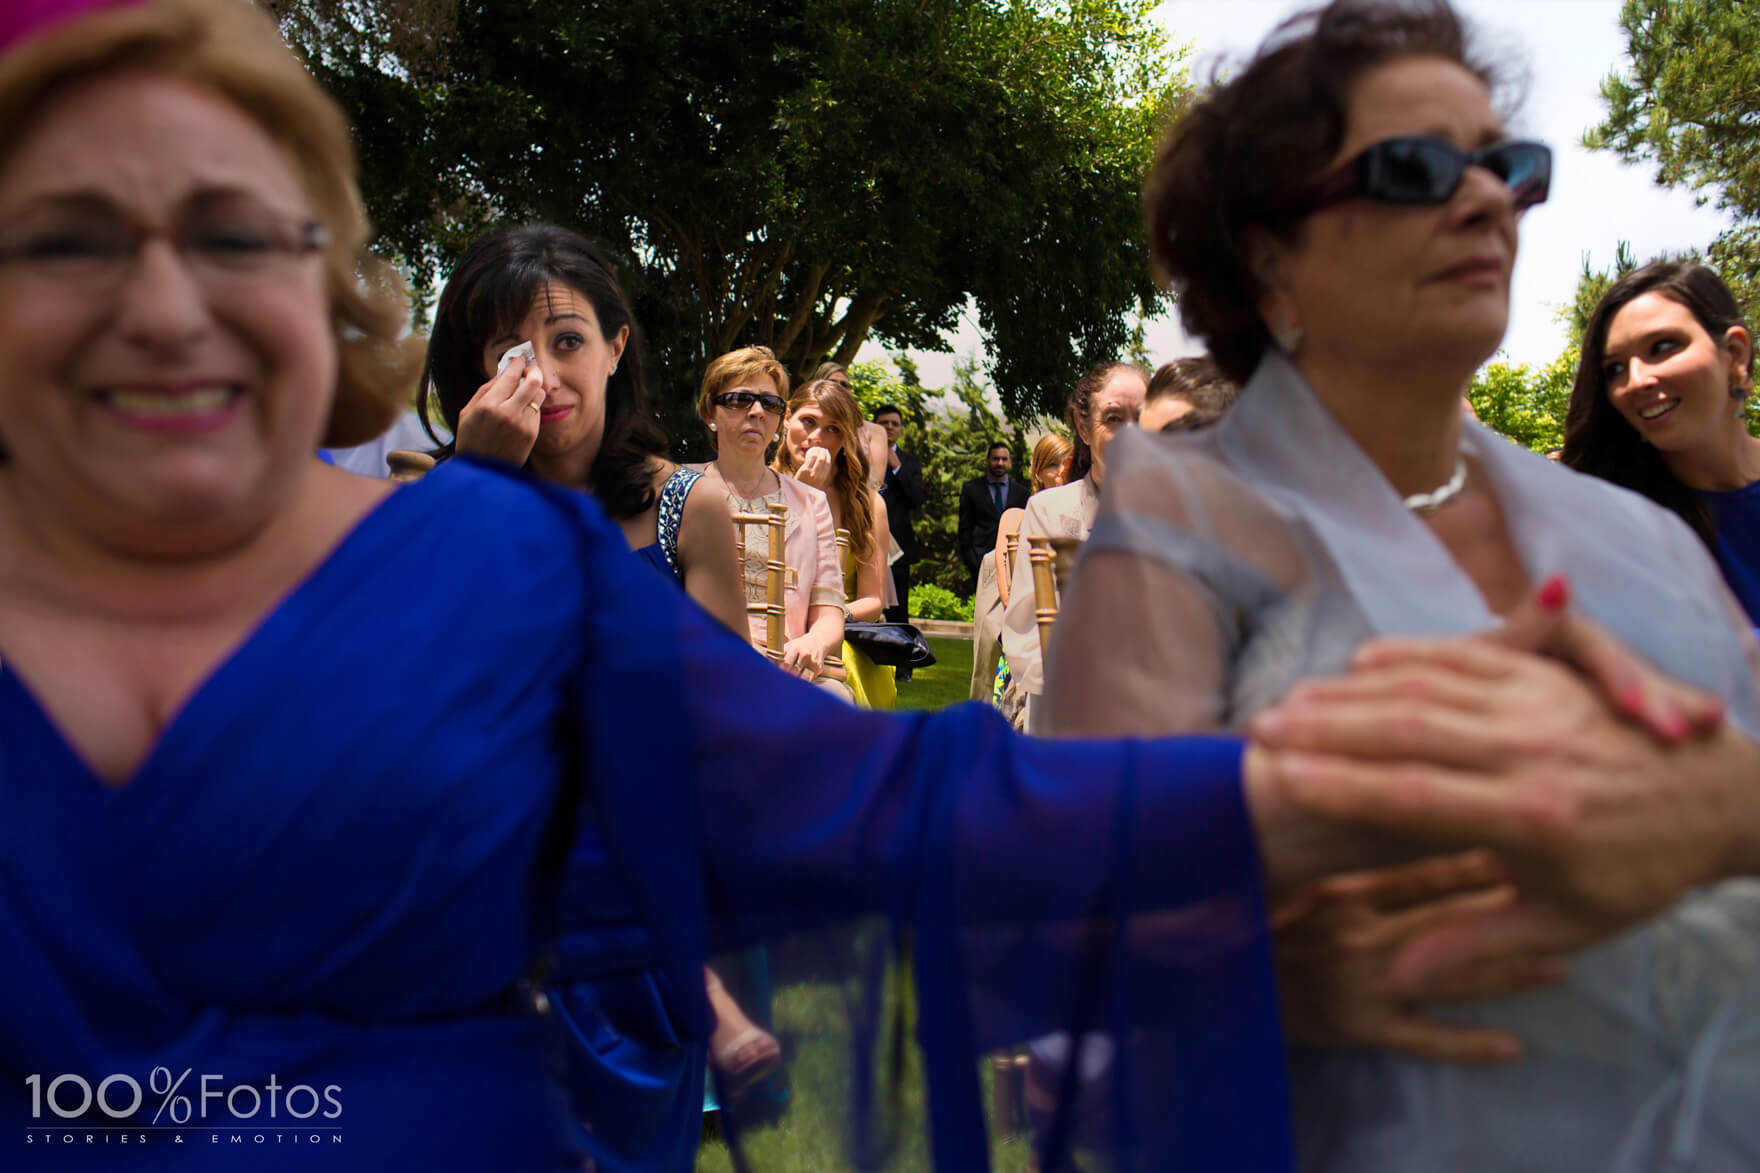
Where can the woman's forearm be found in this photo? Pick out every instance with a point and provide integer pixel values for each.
(825, 627)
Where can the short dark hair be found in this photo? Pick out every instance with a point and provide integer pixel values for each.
(491, 289)
(1597, 438)
(886, 409)
(1199, 382)
(1239, 158)
(1002, 444)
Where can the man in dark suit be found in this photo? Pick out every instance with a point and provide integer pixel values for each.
(982, 501)
(903, 493)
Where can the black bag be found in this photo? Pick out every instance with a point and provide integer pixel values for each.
(898, 645)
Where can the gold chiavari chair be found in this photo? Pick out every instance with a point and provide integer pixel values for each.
(774, 608)
(406, 465)
(1051, 560)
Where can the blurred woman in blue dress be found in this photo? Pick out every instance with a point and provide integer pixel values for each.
(293, 762)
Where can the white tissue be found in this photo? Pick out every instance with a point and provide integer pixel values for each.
(524, 350)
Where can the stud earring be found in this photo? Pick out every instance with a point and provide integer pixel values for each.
(1287, 335)
(712, 427)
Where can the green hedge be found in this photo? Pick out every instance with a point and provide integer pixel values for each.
(929, 601)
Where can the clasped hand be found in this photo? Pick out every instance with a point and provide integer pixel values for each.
(1603, 790)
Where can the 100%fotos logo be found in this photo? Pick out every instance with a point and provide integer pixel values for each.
(120, 1097)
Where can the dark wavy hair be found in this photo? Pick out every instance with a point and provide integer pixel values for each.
(1597, 438)
(1199, 382)
(490, 291)
(1081, 407)
(1241, 156)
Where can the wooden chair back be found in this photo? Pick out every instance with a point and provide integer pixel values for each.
(774, 608)
(1050, 559)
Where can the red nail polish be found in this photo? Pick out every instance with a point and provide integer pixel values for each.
(1554, 593)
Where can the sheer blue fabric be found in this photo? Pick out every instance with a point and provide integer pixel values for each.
(360, 835)
(1737, 518)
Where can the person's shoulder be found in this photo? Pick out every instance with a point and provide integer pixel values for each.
(707, 504)
(1180, 476)
(1057, 497)
(1043, 507)
(493, 504)
(799, 490)
(798, 494)
(1571, 493)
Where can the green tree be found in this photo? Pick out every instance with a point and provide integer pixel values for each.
(803, 174)
(1524, 404)
(1690, 103)
(951, 432)
(1592, 285)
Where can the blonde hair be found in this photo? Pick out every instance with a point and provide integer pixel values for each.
(736, 367)
(851, 478)
(1051, 451)
(234, 49)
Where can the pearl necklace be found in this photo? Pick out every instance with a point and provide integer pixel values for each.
(1424, 504)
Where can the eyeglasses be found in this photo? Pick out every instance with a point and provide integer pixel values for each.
(96, 249)
(1428, 170)
(743, 400)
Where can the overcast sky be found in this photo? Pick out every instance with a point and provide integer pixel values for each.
(1566, 47)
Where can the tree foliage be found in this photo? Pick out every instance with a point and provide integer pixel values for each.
(1690, 99)
(951, 432)
(1524, 404)
(802, 174)
(1690, 103)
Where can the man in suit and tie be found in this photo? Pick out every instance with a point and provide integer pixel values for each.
(982, 501)
(903, 492)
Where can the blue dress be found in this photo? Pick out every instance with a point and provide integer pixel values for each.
(662, 554)
(626, 1056)
(1737, 518)
(306, 919)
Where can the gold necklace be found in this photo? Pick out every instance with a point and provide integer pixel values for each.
(755, 496)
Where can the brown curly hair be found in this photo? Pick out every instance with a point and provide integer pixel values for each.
(1238, 159)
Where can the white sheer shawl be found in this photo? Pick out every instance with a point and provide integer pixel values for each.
(1226, 566)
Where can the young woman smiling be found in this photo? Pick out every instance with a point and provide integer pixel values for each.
(1657, 407)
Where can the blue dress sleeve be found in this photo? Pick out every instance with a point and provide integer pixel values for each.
(1042, 885)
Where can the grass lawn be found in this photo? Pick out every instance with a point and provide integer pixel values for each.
(811, 1135)
(947, 683)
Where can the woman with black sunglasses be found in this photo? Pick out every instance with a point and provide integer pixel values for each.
(741, 403)
(1339, 222)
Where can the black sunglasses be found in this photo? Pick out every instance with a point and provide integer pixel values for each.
(1428, 170)
(743, 400)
